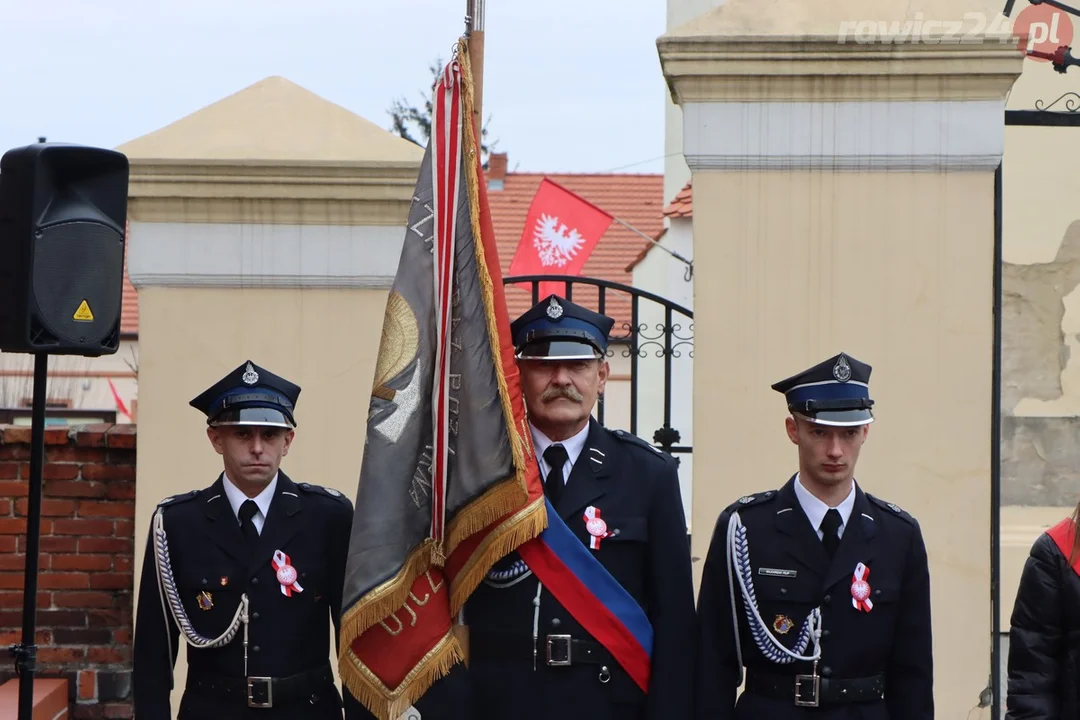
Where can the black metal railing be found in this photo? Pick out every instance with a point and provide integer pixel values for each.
(667, 340)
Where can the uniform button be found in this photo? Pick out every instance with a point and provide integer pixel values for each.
(556, 622)
(255, 649)
(783, 591)
(204, 581)
(877, 592)
(254, 581)
(826, 671)
(303, 574)
(255, 616)
(828, 599)
(824, 633)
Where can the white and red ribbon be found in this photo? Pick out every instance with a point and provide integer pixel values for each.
(596, 526)
(860, 589)
(447, 128)
(286, 574)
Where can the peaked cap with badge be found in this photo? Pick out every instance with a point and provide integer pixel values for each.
(557, 329)
(249, 395)
(833, 392)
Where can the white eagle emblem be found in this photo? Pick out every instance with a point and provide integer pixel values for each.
(555, 243)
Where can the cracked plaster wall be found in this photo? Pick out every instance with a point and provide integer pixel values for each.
(1040, 450)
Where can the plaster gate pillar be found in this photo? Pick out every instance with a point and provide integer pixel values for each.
(843, 157)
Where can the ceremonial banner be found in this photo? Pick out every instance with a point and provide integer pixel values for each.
(448, 482)
(561, 231)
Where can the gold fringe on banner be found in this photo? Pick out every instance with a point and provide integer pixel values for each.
(511, 534)
(389, 704)
(380, 603)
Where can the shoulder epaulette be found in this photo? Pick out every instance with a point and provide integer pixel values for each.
(635, 440)
(323, 491)
(177, 499)
(751, 500)
(893, 508)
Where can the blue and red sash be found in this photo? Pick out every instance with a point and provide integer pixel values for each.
(602, 606)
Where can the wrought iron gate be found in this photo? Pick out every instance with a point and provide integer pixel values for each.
(668, 339)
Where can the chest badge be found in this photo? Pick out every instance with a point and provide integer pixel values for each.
(860, 589)
(783, 624)
(224, 580)
(596, 526)
(206, 601)
(286, 574)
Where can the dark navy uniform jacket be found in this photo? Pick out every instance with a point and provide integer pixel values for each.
(286, 636)
(792, 574)
(636, 489)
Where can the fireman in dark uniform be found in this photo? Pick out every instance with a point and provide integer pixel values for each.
(819, 589)
(529, 657)
(248, 572)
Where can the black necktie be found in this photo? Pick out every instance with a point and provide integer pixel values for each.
(247, 527)
(555, 456)
(829, 526)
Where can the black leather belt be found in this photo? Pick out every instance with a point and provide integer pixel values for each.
(263, 692)
(813, 690)
(552, 650)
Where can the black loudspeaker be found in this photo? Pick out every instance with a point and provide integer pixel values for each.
(62, 219)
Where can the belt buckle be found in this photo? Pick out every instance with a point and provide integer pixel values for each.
(252, 683)
(815, 684)
(560, 657)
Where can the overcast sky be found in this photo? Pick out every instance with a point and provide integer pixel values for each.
(570, 85)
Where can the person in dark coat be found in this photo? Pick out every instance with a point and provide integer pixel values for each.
(826, 601)
(530, 658)
(1044, 638)
(249, 571)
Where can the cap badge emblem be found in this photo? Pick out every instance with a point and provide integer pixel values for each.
(250, 377)
(554, 310)
(842, 370)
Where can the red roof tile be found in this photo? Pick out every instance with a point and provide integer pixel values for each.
(129, 308)
(682, 205)
(635, 199)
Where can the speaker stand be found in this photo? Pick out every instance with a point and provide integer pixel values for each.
(26, 652)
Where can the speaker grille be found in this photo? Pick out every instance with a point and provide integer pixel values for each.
(76, 262)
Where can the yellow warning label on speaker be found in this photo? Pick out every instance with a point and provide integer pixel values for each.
(84, 313)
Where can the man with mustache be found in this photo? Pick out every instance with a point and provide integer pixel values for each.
(249, 570)
(819, 589)
(616, 498)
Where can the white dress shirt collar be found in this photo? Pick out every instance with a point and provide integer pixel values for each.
(815, 509)
(574, 445)
(263, 499)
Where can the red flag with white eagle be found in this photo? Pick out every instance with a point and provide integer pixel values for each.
(560, 232)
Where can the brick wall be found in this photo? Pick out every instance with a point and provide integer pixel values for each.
(85, 580)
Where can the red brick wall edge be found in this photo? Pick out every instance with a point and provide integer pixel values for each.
(86, 580)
